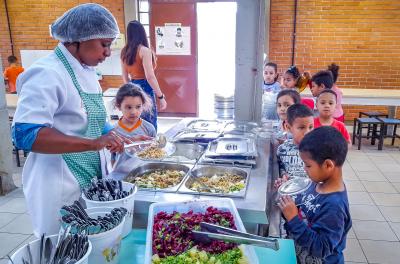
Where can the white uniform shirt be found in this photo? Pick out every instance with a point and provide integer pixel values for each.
(48, 96)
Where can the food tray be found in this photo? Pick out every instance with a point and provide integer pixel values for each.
(232, 147)
(205, 125)
(196, 206)
(207, 170)
(148, 167)
(201, 137)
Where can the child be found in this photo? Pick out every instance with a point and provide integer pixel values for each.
(320, 81)
(271, 83)
(320, 222)
(270, 90)
(11, 73)
(326, 105)
(284, 99)
(132, 101)
(338, 114)
(291, 77)
(299, 122)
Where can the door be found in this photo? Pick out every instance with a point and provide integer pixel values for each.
(173, 34)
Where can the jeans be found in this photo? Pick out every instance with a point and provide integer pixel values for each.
(151, 116)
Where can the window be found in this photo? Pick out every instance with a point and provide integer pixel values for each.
(144, 16)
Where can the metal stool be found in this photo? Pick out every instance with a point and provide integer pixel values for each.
(359, 124)
(375, 114)
(390, 122)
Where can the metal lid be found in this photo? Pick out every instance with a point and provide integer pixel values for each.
(294, 186)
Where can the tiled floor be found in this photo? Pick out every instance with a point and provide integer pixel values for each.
(373, 181)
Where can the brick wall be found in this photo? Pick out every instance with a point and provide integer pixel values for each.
(362, 37)
(30, 20)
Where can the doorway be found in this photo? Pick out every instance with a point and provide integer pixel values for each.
(216, 31)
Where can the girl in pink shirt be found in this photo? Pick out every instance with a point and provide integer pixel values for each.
(338, 114)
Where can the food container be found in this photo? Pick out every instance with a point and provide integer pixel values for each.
(22, 253)
(196, 206)
(205, 125)
(106, 245)
(154, 166)
(169, 149)
(201, 137)
(294, 186)
(186, 152)
(232, 147)
(127, 202)
(182, 153)
(210, 171)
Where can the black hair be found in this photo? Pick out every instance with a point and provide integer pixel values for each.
(323, 77)
(275, 66)
(292, 93)
(136, 35)
(328, 91)
(334, 69)
(324, 143)
(292, 70)
(12, 59)
(133, 90)
(298, 111)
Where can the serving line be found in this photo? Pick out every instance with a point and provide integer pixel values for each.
(253, 208)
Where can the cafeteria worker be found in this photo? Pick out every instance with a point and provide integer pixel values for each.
(60, 116)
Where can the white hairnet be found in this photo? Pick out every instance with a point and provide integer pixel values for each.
(85, 22)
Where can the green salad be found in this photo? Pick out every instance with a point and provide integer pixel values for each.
(194, 256)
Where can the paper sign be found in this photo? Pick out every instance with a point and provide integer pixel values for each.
(172, 39)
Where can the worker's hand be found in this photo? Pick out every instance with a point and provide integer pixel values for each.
(280, 181)
(111, 141)
(288, 207)
(162, 103)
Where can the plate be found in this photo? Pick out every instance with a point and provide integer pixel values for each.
(294, 186)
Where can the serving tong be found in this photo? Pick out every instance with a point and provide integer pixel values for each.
(210, 232)
(160, 141)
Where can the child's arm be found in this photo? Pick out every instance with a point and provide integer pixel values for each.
(322, 236)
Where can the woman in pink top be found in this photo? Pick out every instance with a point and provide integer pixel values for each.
(338, 114)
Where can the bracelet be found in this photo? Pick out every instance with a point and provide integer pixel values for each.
(161, 97)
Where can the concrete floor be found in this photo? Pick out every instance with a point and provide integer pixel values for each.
(373, 182)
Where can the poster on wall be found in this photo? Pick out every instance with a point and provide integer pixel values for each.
(172, 39)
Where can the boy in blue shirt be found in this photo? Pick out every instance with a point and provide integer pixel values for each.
(319, 219)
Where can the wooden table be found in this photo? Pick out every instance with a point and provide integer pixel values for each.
(381, 97)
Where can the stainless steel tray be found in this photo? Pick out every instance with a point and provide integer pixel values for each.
(183, 153)
(153, 166)
(206, 125)
(240, 128)
(209, 171)
(202, 137)
(169, 149)
(237, 147)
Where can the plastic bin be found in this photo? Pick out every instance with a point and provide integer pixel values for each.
(106, 245)
(34, 247)
(127, 202)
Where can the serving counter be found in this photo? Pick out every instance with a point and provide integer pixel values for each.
(253, 207)
(133, 249)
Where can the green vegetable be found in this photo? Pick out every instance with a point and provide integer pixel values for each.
(194, 256)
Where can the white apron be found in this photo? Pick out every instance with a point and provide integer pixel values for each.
(48, 96)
